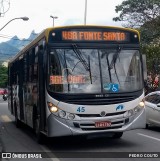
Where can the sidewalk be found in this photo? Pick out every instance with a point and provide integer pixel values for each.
(0, 147)
(1, 99)
(0, 141)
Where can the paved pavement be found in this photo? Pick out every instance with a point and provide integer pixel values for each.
(1, 101)
(1, 98)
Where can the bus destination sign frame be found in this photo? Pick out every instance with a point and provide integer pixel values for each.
(94, 36)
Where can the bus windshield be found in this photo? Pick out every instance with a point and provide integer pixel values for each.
(94, 70)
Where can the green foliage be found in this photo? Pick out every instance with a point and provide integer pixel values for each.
(152, 52)
(138, 12)
(3, 76)
(150, 31)
(144, 15)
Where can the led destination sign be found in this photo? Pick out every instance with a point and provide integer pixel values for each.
(94, 36)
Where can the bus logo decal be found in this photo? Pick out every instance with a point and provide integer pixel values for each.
(103, 113)
(119, 107)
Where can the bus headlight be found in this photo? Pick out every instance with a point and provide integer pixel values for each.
(128, 113)
(62, 114)
(135, 110)
(141, 104)
(139, 107)
(52, 107)
(71, 116)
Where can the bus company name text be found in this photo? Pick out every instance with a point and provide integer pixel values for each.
(22, 155)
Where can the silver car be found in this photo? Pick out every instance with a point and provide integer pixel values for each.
(152, 104)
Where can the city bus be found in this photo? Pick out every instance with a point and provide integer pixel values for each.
(79, 80)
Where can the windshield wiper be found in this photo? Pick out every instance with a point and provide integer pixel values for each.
(115, 56)
(113, 62)
(106, 53)
(82, 60)
(80, 57)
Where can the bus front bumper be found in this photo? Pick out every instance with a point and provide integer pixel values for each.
(61, 127)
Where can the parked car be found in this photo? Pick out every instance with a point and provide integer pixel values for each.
(1, 91)
(152, 104)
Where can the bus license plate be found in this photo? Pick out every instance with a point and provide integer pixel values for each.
(103, 124)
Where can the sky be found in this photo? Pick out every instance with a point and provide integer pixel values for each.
(69, 12)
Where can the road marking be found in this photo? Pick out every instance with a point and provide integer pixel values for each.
(149, 136)
(5, 118)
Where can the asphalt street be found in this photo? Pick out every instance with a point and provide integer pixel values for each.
(140, 141)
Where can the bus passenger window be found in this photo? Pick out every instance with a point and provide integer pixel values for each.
(55, 71)
(54, 67)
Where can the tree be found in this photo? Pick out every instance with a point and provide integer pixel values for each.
(150, 31)
(138, 12)
(144, 15)
(4, 7)
(152, 52)
(141, 14)
(3, 76)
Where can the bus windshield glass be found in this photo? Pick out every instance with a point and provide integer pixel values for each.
(94, 70)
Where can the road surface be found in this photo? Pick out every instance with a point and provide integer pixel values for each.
(141, 141)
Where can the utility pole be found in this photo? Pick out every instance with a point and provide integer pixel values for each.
(53, 17)
(4, 7)
(85, 13)
(23, 18)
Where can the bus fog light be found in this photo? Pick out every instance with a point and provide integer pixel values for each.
(71, 116)
(128, 113)
(137, 109)
(62, 113)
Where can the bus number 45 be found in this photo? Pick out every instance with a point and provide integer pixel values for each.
(81, 109)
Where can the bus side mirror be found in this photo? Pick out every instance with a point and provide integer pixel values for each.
(144, 66)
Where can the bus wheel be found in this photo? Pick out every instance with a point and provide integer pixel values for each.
(17, 121)
(39, 135)
(147, 126)
(117, 135)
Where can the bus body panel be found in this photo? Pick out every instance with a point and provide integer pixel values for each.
(29, 81)
(97, 109)
(86, 124)
(67, 128)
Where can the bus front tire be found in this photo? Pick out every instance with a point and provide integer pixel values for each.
(147, 126)
(117, 135)
(17, 121)
(39, 135)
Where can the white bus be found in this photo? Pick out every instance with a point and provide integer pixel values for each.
(79, 80)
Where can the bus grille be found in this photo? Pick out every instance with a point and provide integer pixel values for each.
(88, 124)
(98, 115)
(101, 101)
